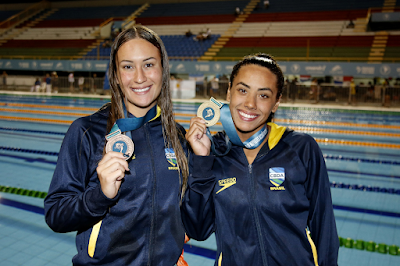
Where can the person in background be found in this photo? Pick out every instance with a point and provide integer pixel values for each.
(369, 95)
(4, 75)
(81, 83)
(94, 85)
(48, 83)
(123, 197)
(54, 82)
(71, 81)
(263, 189)
(350, 25)
(36, 86)
(188, 33)
(353, 92)
(238, 11)
(266, 4)
(214, 87)
(314, 91)
(293, 89)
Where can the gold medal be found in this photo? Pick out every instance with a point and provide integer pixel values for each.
(210, 112)
(121, 143)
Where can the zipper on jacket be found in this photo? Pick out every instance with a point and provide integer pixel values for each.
(153, 198)
(257, 221)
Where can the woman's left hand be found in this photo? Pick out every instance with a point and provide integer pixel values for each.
(197, 137)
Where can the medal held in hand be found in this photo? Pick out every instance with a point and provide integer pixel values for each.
(210, 111)
(120, 143)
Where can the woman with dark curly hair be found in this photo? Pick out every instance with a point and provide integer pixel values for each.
(263, 189)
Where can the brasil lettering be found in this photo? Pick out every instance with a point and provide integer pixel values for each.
(277, 188)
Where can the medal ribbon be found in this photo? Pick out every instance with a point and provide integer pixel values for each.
(226, 119)
(131, 123)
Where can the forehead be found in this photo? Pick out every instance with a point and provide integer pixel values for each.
(255, 74)
(138, 49)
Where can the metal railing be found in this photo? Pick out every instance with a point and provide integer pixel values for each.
(26, 13)
(89, 85)
(324, 93)
(366, 95)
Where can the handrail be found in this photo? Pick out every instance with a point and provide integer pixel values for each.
(23, 14)
(106, 22)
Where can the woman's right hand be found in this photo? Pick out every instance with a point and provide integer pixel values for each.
(197, 137)
(110, 171)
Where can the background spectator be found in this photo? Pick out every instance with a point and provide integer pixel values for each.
(4, 80)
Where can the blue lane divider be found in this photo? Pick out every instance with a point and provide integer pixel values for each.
(362, 173)
(30, 159)
(354, 209)
(341, 158)
(28, 151)
(22, 206)
(212, 254)
(365, 188)
(56, 154)
(326, 156)
(333, 184)
(31, 131)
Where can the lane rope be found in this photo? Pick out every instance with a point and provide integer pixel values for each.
(358, 244)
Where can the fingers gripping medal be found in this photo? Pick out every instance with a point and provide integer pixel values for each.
(210, 111)
(119, 143)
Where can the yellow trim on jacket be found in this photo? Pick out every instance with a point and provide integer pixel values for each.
(275, 134)
(93, 239)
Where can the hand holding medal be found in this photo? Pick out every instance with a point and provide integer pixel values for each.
(199, 135)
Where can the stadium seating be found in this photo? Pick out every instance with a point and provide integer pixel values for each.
(290, 29)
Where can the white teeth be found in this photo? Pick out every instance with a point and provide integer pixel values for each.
(247, 115)
(141, 90)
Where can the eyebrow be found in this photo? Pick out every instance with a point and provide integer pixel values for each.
(144, 60)
(259, 89)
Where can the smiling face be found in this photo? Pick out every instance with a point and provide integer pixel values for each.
(139, 72)
(252, 96)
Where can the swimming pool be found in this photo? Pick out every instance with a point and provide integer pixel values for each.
(361, 149)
